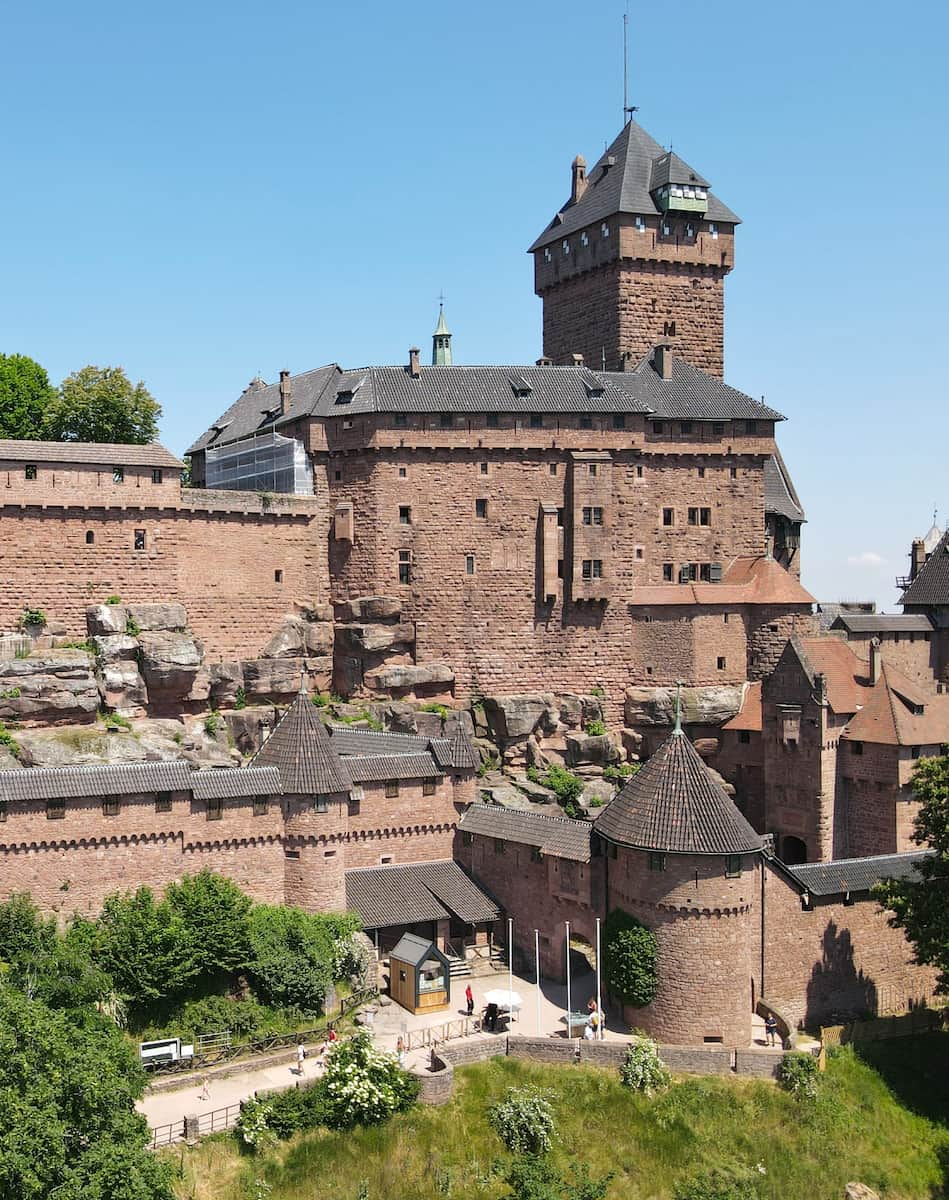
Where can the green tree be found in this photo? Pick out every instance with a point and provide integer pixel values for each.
(533, 1177)
(630, 959)
(101, 404)
(920, 905)
(212, 912)
(68, 1127)
(143, 947)
(26, 395)
(292, 956)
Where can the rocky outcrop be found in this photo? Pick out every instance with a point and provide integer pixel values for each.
(122, 687)
(299, 638)
(711, 705)
(599, 749)
(54, 687)
(171, 662)
(518, 716)
(369, 639)
(859, 1191)
(152, 617)
(408, 677)
(369, 608)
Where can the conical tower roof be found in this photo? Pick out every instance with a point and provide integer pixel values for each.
(463, 754)
(675, 806)
(302, 751)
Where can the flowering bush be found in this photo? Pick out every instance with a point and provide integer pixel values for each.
(642, 1069)
(524, 1120)
(364, 1085)
(798, 1075)
(252, 1127)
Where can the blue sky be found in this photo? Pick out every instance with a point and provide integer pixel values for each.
(202, 191)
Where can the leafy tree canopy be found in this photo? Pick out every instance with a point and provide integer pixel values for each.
(143, 945)
(292, 955)
(212, 911)
(630, 959)
(920, 905)
(26, 395)
(101, 404)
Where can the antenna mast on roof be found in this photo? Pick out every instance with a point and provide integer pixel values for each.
(628, 109)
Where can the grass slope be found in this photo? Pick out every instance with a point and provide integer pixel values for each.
(856, 1130)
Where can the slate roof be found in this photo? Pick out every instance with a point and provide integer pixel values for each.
(303, 752)
(558, 837)
(882, 622)
(113, 779)
(106, 454)
(675, 806)
(228, 783)
(690, 394)
(857, 874)
(455, 752)
(411, 949)
(430, 891)
(625, 186)
(931, 585)
(377, 768)
(897, 712)
(779, 494)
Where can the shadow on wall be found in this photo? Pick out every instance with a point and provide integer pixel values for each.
(837, 991)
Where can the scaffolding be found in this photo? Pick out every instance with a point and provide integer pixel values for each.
(266, 462)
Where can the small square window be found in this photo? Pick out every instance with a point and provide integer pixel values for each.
(639, 471)
(337, 476)
(619, 420)
(139, 539)
(469, 564)
(278, 575)
(163, 802)
(914, 751)
(481, 508)
(446, 420)
(685, 427)
(666, 229)
(732, 865)
(261, 806)
(585, 421)
(705, 516)
(429, 787)
(657, 862)
(693, 516)
(592, 568)
(553, 468)
(733, 471)
(712, 230)
(157, 475)
(560, 518)
(29, 471)
(657, 427)
(640, 224)
(320, 804)
(493, 421)
(392, 788)
(705, 572)
(111, 806)
(118, 474)
(3, 811)
(669, 516)
(720, 662)
(329, 853)
(483, 468)
(400, 420)
(215, 808)
(353, 803)
(55, 808)
(667, 569)
(90, 537)
(592, 468)
(701, 472)
(405, 514)
(744, 736)
(537, 421)
(565, 247)
(499, 846)
(402, 472)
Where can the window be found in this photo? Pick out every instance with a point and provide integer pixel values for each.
(261, 806)
(536, 855)
(337, 476)
(605, 230)
(400, 420)
(354, 801)
(591, 469)
(111, 806)
(641, 224)
(667, 572)
(751, 427)
(405, 566)
(547, 255)
(483, 468)
(856, 747)
(215, 808)
(657, 862)
(291, 854)
(592, 568)
(446, 420)
(392, 788)
(619, 420)
(560, 518)
(565, 247)
(466, 837)
(320, 804)
(668, 516)
(29, 471)
(640, 552)
(278, 575)
(429, 787)
(402, 473)
(639, 471)
(593, 515)
(139, 539)
(90, 537)
(700, 516)
(118, 474)
(732, 866)
(657, 427)
(586, 421)
(481, 508)
(666, 229)
(718, 428)
(685, 427)
(720, 662)
(163, 802)
(705, 572)
(584, 239)
(537, 421)
(469, 564)
(493, 421)
(157, 475)
(3, 811)
(329, 853)
(744, 736)
(713, 230)
(405, 514)
(55, 808)
(498, 845)
(689, 230)
(560, 568)
(914, 751)
(733, 471)
(553, 468)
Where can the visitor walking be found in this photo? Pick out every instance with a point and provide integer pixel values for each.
(400, 1050)
(469, 1000)
(301, 1057)
(770, 1029)
(205, 1093)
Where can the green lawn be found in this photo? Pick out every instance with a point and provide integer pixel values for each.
(858, 1129)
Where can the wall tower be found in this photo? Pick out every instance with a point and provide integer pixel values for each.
(637, 255)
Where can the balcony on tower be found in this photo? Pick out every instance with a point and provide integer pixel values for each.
(676, 187)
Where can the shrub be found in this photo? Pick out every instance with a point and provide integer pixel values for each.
(115, 721)
(566, 786)
(132, 627)
(524, 1120)
(297, 1108)
(9, 742)
(798, 1075)
(596, 728)
(365, 1085)
(642, 1069)
(618, 773)
(252, 1124)
(10, 694)
(32, 617)
(240, 697)
(320, 700)
(244, 1019)
(721, 1183)
(531, 1177)
(213, 723)
(113, 599)
(630, 959)
(442, 709)
(493, 763)
(598, 692)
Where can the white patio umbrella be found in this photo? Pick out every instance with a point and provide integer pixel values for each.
(505, 1000)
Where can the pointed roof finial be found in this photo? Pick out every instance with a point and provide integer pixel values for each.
(441, 338)
(303, 681)
(678, 724)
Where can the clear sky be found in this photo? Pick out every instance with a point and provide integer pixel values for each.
(203, 191)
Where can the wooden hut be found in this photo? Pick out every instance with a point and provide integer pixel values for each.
(419, 975)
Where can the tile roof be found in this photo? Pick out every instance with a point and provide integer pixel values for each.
(233, 782)
(558, 837)
(376, 768)
(746, 580)
(253, 410)
(857, 874)
(882, 622)
(411, 949)
(749, 716)
(931, 585)
(844, 673)
(779, 494)
(430, 891)
(113, 779)
(625, 186)
(447, 752)
(303, 752)
(689, 394)
(106, 454)
(897, 712)
(675, 806)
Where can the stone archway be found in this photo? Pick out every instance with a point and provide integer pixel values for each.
(793, 850)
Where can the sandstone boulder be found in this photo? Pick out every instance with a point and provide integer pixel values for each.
(170, 663)
(201, 686)
(272, 677)
(707, 747)
(570, 710)
(430, 724)
(249, 727)
(297, 638)
(369, 608)
(710, 705)
(505, 795)
(462, 717)
(518, 716)
(372, 638)
(399, 717)
(312, 610)
(153, 617)
(111, 647)
(534, 791)
(632, 742)
(402, 678)
(58, 686)
(535, 755)
(79, 746)
(859, 1191)
(106, 619)
(225, 679)
(122, 687)
(596, 793)
(599, 749)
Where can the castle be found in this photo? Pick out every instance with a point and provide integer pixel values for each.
(614, 519)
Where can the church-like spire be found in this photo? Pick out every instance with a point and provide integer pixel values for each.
(441, 340)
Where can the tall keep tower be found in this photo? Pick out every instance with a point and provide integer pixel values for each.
(637, 255)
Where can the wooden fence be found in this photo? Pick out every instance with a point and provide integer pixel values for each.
(446, 1032)
(920, 1020)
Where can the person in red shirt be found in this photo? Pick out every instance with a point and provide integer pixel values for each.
(469, 997)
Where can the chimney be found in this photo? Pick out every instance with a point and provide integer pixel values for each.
(874, 661)
(284, 392)
(414, 369)
(917, 557)
(579, 182)
(662, 360)
(626, 361)
(545, 362)
(576, 360)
